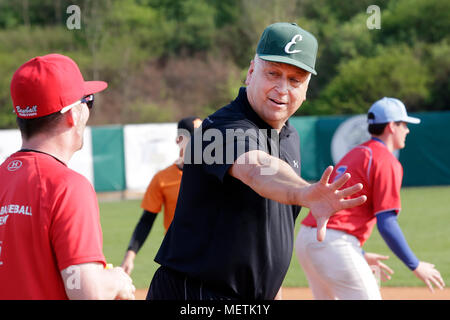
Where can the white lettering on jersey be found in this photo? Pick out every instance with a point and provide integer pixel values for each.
(3, 219)
(15, 208)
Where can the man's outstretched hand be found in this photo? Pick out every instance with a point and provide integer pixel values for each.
(324, 199)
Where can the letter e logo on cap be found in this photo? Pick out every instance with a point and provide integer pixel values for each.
(294, 40)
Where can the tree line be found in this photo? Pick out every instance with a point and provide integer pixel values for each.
(166, 59)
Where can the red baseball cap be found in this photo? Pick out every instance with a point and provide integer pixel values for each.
(47, 84)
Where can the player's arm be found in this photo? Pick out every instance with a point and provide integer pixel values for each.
(90, 281)
(140, 234)
(142, 230)
(274, 179)
(392, 234)
(390, 231)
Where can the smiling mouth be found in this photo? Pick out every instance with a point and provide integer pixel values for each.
(280, 103)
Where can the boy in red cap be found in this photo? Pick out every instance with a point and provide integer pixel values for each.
(50, 233)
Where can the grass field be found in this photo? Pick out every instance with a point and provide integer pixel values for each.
(425, 221)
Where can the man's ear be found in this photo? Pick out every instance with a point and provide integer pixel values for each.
(250, 72)
(73, 116)
(390, 127)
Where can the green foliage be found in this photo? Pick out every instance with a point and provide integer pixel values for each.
(147, 112)
(7, 116)
(439, 64)
(188, 25)
(410, 21)
(393, 71)
(32, 12)
(128, 43)
(337, 10)
(20, 45)
(227, 11)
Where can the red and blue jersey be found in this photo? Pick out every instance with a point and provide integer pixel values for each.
(381, 174)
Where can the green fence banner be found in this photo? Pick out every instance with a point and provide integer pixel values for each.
(425, 159)
(108, 155)
(306, 127)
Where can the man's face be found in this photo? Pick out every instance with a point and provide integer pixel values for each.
(81, 123)
(400, 132)
(276, 90)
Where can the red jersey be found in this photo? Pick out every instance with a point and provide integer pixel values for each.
(49, 220)
(163, 190)
(381, 174)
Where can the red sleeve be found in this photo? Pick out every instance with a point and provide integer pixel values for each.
(75, 231)
(387, 181)
(153, 197)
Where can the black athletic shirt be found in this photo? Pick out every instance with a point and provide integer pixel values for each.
(223, 233)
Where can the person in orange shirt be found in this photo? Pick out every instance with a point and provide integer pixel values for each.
(162, 190)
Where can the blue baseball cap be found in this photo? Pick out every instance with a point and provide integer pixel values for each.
(389, 109)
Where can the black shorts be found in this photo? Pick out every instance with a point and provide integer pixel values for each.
(168, 284)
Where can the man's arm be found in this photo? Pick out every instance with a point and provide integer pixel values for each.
(274, 179)
(390, 231)
(90, 281)
(138, 238)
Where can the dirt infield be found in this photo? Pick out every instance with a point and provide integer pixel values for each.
(388, 293)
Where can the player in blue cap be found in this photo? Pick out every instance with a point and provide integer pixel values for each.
(337, 268)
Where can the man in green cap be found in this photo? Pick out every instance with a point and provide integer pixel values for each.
(233, 231)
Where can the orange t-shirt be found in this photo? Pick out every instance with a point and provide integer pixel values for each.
(163, 190)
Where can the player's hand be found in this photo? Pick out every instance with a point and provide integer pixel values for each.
(324, 199)
(430, 275)
(127, 289)
(128, 262)
(373, 259)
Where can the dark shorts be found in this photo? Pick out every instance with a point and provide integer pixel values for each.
(168, 284)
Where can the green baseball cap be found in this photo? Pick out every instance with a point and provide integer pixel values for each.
(288, 43)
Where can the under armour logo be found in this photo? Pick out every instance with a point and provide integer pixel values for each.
(295, 163)
(295, 39)
(14, 165)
